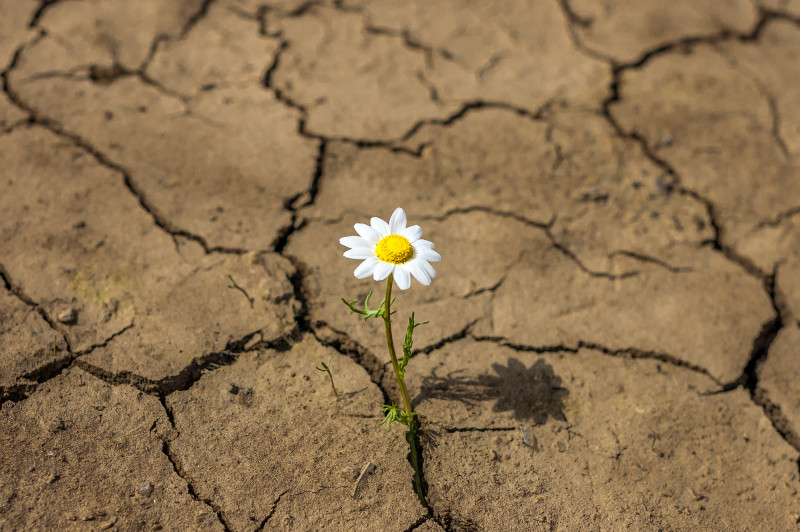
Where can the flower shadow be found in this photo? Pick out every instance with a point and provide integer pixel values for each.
(532, 393)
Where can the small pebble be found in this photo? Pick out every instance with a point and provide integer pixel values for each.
(145, 490)
(67, 316)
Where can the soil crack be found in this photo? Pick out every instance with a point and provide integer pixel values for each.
(178, 469)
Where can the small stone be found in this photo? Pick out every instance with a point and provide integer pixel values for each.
(528, 438)
(105, 525)
(88, 514)
(145, 490)
(68, 316)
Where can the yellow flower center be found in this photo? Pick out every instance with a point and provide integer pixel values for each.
(395, 249)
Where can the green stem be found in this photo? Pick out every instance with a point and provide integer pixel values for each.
(330, 376)
(412, 428)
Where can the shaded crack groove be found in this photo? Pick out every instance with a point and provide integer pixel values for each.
(652, 260)
(194, 19)
(749, 379)
(631, 352)
(40, 11)
(272, 511)
(16, 393)
(282, 239)
(190, 374)
(451, 430)
(419, 522)
(178, 468)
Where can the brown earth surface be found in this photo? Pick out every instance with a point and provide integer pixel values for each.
(614, 336)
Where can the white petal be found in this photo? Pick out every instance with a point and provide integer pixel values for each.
(367, 233)
(355, 242)
(382, 270)
(416, 269)
(412, 233)
(427, 254)
(359, 253)
(402, 277)
(380, 227)
(424, 244)
(366, 268)
(427, 267)
(398, 221)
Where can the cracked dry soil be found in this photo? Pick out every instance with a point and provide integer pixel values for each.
(614, 187)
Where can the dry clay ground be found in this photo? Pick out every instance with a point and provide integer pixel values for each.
(614, 186)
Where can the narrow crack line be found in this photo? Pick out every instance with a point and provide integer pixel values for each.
(151, 52)
(177, 467)
(415, 45)
(196, 17)
(319, 168)
(56, 128)
(451, 430)
(395, 145)
(650, 260)
(272, 510)
(573, 17)
(463, 333)
(633, 352)
(469, 107)
(235, 286)
(687, 42)
(525, 348)
(775, 126)
(187, 376)
(105, 342)
(780, 218)
(487, 210)
(574, 258)
(40, 11)
(572, 21)
(17, 291)
(491, 289)
(624, 352)
(717, 242)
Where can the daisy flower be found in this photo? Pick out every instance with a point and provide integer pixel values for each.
(392, 249)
